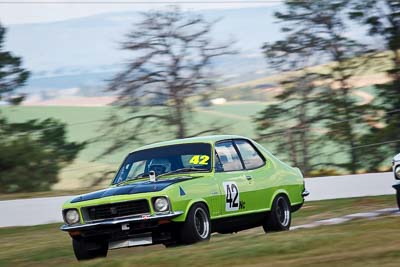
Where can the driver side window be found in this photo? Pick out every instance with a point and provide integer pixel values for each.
(227, 159)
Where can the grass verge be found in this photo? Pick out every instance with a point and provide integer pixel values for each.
(359, 243)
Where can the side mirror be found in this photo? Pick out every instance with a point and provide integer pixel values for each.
(152, 176)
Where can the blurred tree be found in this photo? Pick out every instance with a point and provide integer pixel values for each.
(12, 75)
(383, 19)
(315, 30)
(299, 100)
(32, 153)
(172, 56)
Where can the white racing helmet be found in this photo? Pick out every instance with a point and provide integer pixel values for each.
(160, 166)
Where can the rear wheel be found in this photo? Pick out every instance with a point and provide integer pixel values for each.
(398, 197)
(197, 226)
(280, 216)
(86, 250)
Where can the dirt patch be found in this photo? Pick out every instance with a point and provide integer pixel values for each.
(368, 80)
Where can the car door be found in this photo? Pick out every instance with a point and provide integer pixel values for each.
(231, 178)
(256, 173)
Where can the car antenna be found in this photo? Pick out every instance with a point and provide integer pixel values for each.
(152, 176)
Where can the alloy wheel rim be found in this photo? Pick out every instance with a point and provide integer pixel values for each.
(202, 223)
(283, 212)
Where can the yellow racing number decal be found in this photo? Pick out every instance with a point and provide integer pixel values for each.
(199, 160)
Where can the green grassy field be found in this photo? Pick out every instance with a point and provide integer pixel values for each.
(86, 123)
(359, 243)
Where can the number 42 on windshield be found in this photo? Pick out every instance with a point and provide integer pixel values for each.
(199, 160)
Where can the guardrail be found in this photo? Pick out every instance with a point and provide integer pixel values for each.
(346, 186)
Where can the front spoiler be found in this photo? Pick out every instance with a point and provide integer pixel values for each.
(117, 221)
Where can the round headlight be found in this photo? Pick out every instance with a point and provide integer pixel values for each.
(397, 172)
(161, 204)
(72, 216)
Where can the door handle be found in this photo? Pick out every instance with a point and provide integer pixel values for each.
(249, 177)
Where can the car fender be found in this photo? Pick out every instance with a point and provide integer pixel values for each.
(182, 217)
(279, 192)
(299, 172)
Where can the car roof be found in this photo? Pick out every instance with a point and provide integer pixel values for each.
(199, 139)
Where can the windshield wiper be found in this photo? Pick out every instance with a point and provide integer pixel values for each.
(145, 175)
(183, 170)
(138, 177)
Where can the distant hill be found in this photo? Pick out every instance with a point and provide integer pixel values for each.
(82, 53)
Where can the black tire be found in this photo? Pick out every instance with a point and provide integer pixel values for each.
(280, 216)
(172, 244)
(89, 250)
(398, 197)
(175, 239)
(197, 226)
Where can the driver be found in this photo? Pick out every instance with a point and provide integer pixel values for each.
(160, 166)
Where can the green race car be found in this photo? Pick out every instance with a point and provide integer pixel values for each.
(181, 191)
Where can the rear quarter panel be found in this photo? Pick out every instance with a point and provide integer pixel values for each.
(280, 178)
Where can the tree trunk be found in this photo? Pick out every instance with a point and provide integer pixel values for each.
(179, 120)
(353, 152)
(292, 149)
(348, 127)
(304, 143)
(396, 88)
(304, 127)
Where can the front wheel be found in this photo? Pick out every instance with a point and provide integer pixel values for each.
(85, 250)
(197, 226)
(280, 216)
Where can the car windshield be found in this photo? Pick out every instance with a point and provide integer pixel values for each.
(166, 159)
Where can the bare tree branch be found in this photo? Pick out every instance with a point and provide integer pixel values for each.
(172, 58)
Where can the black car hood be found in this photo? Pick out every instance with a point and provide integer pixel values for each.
(134, 188)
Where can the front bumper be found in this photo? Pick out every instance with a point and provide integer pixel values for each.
(397, 187)
(305, 193)
(394, 166)
(119, 221)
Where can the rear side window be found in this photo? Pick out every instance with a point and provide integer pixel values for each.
(227, 157)
(250, 156)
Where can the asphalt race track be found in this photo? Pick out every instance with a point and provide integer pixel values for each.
(23, 212)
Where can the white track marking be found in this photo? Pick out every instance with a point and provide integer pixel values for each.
(349, 217)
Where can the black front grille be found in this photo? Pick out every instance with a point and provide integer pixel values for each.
(115, 210)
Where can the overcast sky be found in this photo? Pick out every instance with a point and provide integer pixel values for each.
(19, 13)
